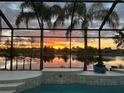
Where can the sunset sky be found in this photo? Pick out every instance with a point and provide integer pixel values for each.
(104, 44)
(11, 11)
(63, 42)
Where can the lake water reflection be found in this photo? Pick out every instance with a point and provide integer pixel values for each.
(57, 61)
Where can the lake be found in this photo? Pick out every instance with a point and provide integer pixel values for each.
(57, 61)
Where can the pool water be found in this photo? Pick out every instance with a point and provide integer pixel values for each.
(75, 89)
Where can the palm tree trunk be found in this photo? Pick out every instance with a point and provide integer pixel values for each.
(85, 47)
(41, 44)
(16, 63)
(27, 23)
(31, 53)
(5, 63)
(23, 63)
(30, 61)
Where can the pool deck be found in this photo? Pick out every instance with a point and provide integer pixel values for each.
(108, 73)
(18, 75)
(11, 81)
(81, 72)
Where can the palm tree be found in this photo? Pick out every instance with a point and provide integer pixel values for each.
(40, 11)
(43, 11)
(119, 38)
(84, 16)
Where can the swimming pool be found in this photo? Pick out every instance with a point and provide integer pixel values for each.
(79, 88)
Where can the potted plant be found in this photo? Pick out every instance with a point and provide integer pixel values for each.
(100, 67)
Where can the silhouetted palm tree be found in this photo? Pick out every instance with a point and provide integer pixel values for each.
(37, 10)
(43, 11)
(119, 38)
(83, 17)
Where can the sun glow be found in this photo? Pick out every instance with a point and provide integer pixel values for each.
(60, 44)
(105, 43)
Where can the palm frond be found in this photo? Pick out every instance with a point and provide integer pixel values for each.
(70, 27)
(101, 14)
(55, 9)
(84, 24)
(61, 15)
(26, 16)
(115, 18)
(81, 9)
(27, 21)
(59, 21)
(92, 10)
(95, 7)
(28, 4)
(119, 40)
(47, 16)
(49, 23)
(25, 4)
(66, 12)
(19, 19)
(42, 9)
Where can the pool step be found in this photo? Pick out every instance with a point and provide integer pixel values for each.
(7, 91)
(10, 86)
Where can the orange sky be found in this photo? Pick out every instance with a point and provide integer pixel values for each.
(58, 43)
(61, 43)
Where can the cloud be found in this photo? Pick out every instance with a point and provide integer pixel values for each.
(11, 11)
